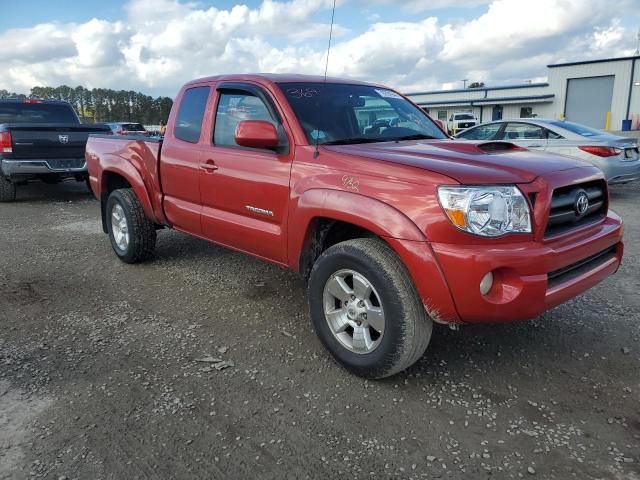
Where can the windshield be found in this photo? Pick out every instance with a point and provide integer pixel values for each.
(464, 116)
(14, 112)
(333, 114)
(582, 130)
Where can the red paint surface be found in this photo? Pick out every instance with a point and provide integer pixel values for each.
(386, 188)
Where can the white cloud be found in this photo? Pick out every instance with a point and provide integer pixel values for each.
(160, 44)
(37, 44)
(425, 5)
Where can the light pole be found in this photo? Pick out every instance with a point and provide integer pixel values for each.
(464, 82)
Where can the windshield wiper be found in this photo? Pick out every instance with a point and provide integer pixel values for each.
(417, 136)
(355, 140)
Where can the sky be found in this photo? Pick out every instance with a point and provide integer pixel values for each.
(155, 46)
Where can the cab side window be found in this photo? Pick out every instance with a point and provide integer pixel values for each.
(190, 114)
(234, 108)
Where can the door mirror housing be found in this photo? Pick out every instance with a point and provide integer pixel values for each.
(257, 134)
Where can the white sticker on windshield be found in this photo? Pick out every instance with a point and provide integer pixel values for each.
(387, 93)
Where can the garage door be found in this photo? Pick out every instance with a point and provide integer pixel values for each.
(589, 100)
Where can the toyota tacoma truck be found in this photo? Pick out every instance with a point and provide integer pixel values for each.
(393, 229)
(41, 140)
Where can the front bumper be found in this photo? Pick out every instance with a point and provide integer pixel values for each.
(522, 288)
(31, 167)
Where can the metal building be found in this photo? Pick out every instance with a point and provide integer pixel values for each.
(599, 93)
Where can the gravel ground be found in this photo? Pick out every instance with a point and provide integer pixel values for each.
(202, 364)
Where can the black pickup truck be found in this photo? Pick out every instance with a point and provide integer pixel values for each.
(41, 140)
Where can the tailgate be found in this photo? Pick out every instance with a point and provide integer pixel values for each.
(51, 141)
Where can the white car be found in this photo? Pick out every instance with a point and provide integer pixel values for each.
(617, 157)
(461, 121)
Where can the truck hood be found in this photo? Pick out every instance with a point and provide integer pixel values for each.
(466, 162)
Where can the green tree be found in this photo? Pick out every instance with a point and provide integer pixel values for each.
(106, 105)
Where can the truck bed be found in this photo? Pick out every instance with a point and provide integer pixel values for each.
(104, 153)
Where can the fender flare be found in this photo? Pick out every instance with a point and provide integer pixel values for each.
(365, 212)
(127, 171)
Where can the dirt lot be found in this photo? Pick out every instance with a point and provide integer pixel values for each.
(100, 378)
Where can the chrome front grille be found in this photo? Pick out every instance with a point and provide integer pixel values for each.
(566, 213)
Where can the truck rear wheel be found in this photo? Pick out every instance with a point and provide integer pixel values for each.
(7, 190)
(132, 234)
(366, 310)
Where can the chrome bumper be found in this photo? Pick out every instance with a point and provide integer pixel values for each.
(12, 168)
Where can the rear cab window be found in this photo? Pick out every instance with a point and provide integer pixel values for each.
(190, 114)
(17, 112)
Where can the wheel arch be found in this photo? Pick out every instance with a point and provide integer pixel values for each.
(325, 217)
(123, 177)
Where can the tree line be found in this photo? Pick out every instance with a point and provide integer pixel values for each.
(105, 105)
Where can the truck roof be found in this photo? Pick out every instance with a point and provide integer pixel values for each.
(280, 78)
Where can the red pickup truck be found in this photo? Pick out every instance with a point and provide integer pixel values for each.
(394, 225)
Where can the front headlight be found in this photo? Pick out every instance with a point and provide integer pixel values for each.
(489, 211)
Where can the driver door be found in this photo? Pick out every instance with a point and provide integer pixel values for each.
(245, 191)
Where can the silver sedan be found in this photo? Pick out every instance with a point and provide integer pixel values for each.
(616, 156)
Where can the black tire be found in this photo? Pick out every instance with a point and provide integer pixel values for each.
(7, 190)
(142, 231)
(407, 329)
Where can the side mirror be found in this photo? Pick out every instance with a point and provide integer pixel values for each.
(256, 134)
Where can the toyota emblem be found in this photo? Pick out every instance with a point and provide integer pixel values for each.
(582, 203)
(63, 138)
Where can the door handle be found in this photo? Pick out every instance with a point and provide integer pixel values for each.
(535, 145)
(209, 166)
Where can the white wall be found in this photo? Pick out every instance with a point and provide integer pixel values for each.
(559, 76)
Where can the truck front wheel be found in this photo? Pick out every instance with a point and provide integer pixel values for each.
(132, 234)
(366, 310)
(7, 190)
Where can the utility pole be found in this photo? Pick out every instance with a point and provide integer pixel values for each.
(465, 80)
(638, 49)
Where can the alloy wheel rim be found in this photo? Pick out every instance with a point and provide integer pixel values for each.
(119, 227)
(354, 311)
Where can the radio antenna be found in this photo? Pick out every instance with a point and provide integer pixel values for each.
(326, 69)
